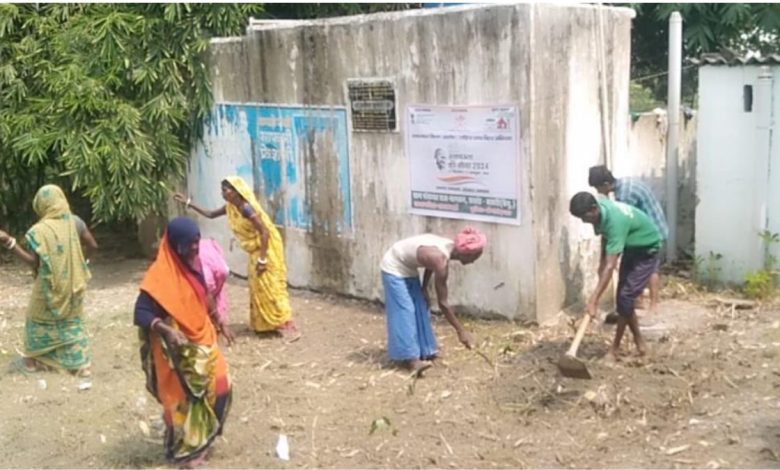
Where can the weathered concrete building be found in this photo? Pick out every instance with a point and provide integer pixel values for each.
(737, 175)
(646, 160)
(289, 118)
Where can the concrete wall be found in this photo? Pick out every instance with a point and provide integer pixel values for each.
(543, 58)
(737, 171)
(646, 160)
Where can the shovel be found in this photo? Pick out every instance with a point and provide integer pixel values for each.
(568, 364)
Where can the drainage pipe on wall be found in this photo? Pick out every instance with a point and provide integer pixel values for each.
(673, 131)
(763, 107)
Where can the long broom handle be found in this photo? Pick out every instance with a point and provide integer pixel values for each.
(578, 337)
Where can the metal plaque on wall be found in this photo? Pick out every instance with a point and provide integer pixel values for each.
(372, 105)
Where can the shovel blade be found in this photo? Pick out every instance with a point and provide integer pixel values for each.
(572, 367)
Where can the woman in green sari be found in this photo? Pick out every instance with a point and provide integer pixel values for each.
(54, 331)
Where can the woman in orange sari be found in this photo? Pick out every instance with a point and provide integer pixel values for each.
(185, 370)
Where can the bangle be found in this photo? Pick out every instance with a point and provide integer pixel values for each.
(154, 322)
(262, 261)
(11, 244)
(189, 201)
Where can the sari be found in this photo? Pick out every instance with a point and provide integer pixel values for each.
(191, 382)
(215, 273)
(54, 329)
(269, 300)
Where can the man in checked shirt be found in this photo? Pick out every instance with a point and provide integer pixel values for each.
(633, 192)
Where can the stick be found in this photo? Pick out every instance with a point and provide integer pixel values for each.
(447, 444)
(313, 432)
(484, 356)
(728, 381)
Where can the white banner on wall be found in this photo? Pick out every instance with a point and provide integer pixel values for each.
(464, 162)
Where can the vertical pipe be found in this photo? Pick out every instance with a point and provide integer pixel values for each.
(673, 132)
(606, 123)
(763, 187)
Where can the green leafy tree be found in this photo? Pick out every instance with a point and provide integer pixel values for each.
(301, 11)
(730, 28)
(104, 99)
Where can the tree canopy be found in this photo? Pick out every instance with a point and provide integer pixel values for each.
(104, 99)
(732, 28)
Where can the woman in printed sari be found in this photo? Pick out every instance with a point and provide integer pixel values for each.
(54, 330)
(270, 302)
(185, 370)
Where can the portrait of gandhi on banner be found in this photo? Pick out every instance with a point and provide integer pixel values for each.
(440, 157)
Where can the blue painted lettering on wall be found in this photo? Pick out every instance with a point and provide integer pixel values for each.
(275, 134)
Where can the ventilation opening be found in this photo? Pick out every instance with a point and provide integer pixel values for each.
(372, 105)
(747, 98)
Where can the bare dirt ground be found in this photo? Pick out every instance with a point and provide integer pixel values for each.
(708, 397)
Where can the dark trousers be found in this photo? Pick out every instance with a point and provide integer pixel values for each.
(636, 267)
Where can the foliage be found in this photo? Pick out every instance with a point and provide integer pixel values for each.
(641, 98)
(736, 28)
(761, 284)
(758, 284)
(324, 10)
(104, 99)
(707, 271)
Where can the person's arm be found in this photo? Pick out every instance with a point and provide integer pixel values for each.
(434, 260)
(607, 266)
(89, 241)
(426, 281)
(265, 236)
(602, 255)
(222, 328)
(210, 214)
(13, 245)
(149, 315)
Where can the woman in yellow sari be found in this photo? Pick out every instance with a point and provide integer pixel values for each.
(270, 302)
(54, 330)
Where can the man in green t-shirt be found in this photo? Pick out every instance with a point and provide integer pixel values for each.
(626, 231)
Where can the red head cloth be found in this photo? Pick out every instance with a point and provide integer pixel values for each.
(470, 241)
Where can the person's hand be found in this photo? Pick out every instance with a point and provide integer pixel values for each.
(179, 197)
(591, 309)
(466, 338)
(261, 265)
(4, 237)
(225, 331)
(427, 298)
(260, 268)
(175, 337)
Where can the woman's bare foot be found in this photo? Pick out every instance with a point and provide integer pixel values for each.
(31, 365)
(196, 462)
(290, 332)
(84, 372)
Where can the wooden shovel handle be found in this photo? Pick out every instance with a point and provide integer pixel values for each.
(578, 337)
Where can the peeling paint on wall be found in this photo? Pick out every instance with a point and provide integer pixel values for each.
(287, 145)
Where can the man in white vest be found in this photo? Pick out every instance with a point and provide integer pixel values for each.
(410, 337)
